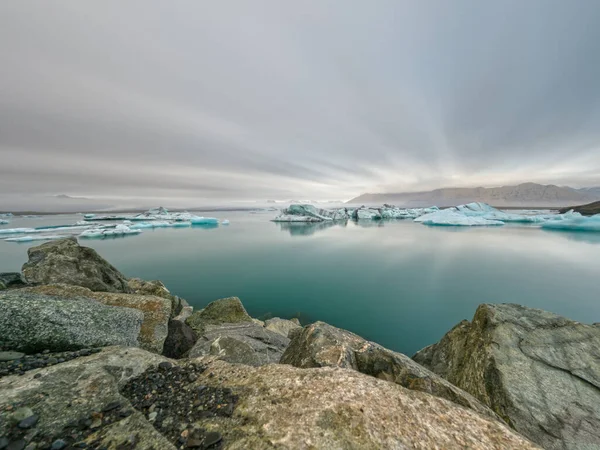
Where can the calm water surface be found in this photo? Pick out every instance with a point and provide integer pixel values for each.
(398, 283)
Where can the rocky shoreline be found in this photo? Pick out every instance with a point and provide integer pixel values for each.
(91, 359)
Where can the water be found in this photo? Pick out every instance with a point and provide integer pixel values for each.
(398, 283)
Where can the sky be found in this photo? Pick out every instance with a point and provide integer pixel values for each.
(191, 100)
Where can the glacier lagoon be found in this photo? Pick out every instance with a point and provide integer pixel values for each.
(396, 282)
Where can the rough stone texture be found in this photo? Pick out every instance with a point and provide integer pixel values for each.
(33, 322)
(281, 326)
(225, 310)
(158, 289)
(69, 391)
(11, 280)
(180, 339)
(65, 261)
(156, 310)
(284, 407)
(322, 345)
(540, 372)
(244, 343)
(258, 322)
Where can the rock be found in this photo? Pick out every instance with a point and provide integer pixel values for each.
(158, 289)
(79, 389)
(156, 310)
(539, 371)
(33, 322)
(280, 406)
(11, 280)
(29, 422)
(244, 343)
(10, 356)
(65, 261)
(322, 345)
(21, 414)
(281, 326)
(258, 322)
(180, 339)
(225, 310)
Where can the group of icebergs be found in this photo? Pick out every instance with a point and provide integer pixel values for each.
(471, 214)
(131, 225)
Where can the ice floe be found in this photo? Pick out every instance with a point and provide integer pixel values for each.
(158, 224)
(204, 220)
(224, 222)
(35, 238)
(119, 230)
(574, 222)
(449, 217)
(4, 222)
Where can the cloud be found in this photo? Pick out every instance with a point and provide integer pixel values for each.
(321, 99)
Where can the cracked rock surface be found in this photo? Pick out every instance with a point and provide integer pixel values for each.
(539, 371)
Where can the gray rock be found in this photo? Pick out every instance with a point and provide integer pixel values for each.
(281, 326)
(156, 310)
(76, 388)
(225, 310)
(10, 280)
(158, 289)
(322, 345)
(33, 322)
(244, 343)
(285, 407)
(65, 261)
(10, 356)
(539, 371)
(180, 339)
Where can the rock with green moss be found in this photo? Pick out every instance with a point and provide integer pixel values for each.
(323, 345)
(225, 310)
(539, 371)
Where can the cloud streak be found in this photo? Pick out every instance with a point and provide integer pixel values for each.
(323, 99)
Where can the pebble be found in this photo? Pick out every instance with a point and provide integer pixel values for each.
(3, 443)
(58, 444)
(17, 445)
(19, 363)
(10, 356)
(29, 422)
(212, 438)
(21, 413)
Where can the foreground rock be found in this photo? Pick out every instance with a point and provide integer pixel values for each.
(225, 310)
(540, 372)
(32, 322)
(282, 326)
(322, 345)
(243, 343)
(108, 401)
(156, 310)
(65, 261)
(11, 280)
(158, 289)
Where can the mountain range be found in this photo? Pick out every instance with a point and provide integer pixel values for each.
(521, 195)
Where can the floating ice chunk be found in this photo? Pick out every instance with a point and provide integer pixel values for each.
(89, 216)
(6, 215)
(4, 222)
(292, 218)
(224, 222)
(40, 237)
(450, 217)
(158, 224)
(367, 214)
(119, 230)
(15, 230)
(204, 221)
(574, 223)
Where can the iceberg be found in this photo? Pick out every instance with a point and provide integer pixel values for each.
(451, 217)
(34, 238)
(6, 215)
(574, 222)
(366, 214)
(309, 213)
(4, 222)
(15, 230)
(157, 224)
(119, 230)
(224, 222)
(204, 220)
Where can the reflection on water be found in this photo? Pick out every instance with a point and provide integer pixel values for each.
(307, 228)
(580, 236)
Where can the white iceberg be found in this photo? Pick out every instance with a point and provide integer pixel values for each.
(16, 230)
(367, 214)
(119, 230)
(35, 238)
(162, 214)
(204, 220)
(574, 222)
(4, 222)
(224, 222)
(158, 224)
(309, 213)
(451, 217)
(6, 215)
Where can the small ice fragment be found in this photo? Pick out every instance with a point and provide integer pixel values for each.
(225, 222)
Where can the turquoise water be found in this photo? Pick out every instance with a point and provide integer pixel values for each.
(398, 283)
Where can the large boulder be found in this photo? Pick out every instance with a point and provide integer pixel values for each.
(158, 289)
(125, 398)
(81, 398)
(539, 371)
(156, 310)
(323, 345)
(243, 343)
(225, 310)
(180, 339)
(32, 322)
(282, 326)
(65, 261)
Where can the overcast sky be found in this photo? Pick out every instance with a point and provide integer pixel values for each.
(305, 99)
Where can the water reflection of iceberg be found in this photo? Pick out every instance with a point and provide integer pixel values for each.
(590, 237)
(307, 228)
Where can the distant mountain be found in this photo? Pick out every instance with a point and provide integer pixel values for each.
(526, 194)
(68, 197)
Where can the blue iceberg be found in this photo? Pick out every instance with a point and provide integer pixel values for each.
(204, 221)
(574, 222)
